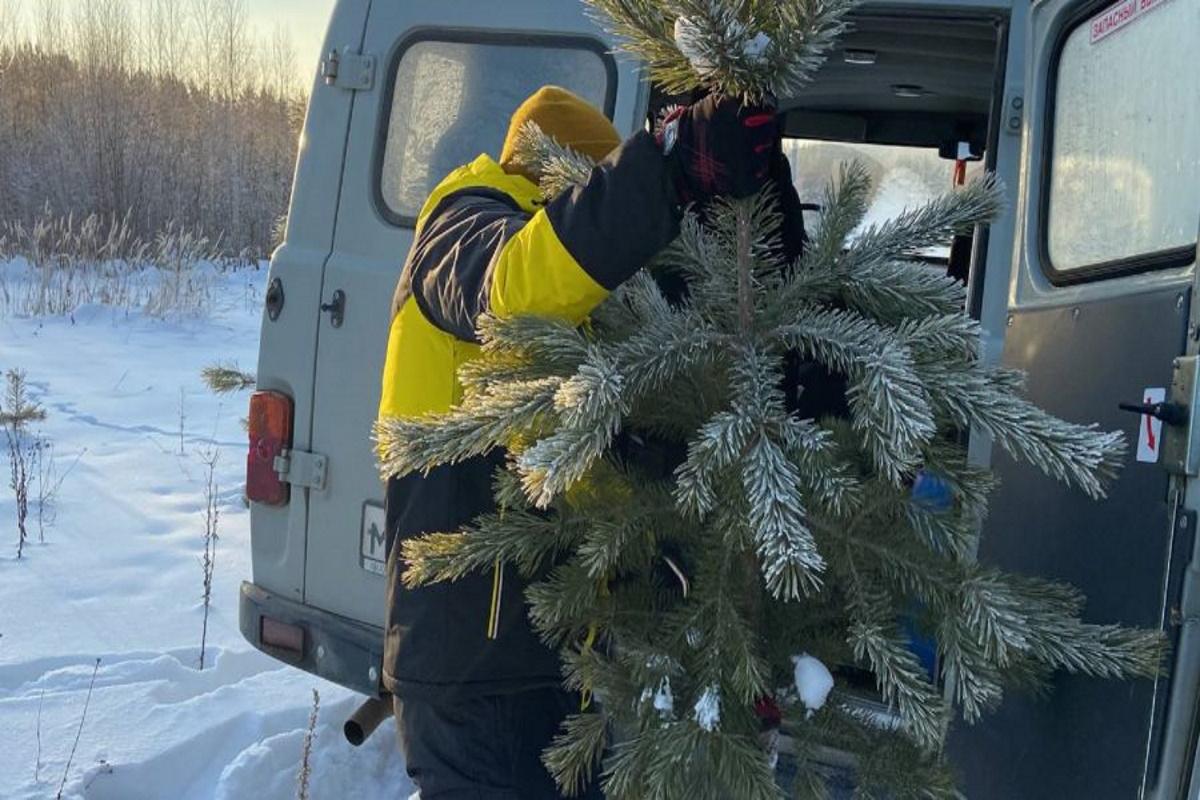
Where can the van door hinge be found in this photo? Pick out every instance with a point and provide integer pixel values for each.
(302, 469)
(349, 70)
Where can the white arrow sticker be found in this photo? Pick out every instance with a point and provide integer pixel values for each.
(1149, 428)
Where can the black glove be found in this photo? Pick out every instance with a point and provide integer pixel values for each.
(792, 232)
(719, 147)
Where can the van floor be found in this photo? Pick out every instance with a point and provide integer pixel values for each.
(119, 578)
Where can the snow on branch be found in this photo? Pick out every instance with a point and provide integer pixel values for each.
(558, 167)
(934, 223)
(755, 50)
(481, 423)
(889, 403)
(986, 399)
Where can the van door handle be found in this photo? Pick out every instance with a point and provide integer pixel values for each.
(274, 299)
(1169, 413)
(336, 308)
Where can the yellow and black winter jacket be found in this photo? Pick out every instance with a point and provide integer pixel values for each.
(485, 243)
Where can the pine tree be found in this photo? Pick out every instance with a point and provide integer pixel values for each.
(684, 597)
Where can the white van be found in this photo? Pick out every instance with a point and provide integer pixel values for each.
(1088, 111)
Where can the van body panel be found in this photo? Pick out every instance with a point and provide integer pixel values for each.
(1030, 287)
(1086, 346)
(992, 262)
(368, 254)
(1177, 771)
(287, 345)
(1089, 737)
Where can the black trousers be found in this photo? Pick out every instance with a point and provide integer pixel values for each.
(484, 748)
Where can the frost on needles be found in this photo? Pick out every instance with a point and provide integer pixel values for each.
(774, 535)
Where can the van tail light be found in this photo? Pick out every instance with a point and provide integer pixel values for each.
(270, 437)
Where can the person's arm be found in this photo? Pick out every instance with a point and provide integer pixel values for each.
(478, 253)
(597, 235)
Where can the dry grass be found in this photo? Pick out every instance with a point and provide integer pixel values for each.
(61, 263)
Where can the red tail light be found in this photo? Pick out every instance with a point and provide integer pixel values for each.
(270, 435)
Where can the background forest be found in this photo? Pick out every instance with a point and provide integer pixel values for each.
(164, 114)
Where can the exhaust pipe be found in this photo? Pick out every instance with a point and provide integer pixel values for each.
(366, 719)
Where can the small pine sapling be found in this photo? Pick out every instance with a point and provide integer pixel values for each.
(227, 378)
(17, 413)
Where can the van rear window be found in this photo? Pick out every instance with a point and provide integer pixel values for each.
(452, 95)
(1123, 193)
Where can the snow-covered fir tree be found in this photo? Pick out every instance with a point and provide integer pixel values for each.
(707, 558)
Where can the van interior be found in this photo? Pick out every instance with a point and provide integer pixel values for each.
(910, 97)
(902, 81)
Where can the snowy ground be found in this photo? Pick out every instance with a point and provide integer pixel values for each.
(119, 578)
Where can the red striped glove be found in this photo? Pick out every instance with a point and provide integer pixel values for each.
(719, 147)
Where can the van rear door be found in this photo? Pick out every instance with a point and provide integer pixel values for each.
(448, 75)
(1099, 306)
(288, 336)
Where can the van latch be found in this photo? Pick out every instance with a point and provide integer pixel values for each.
(1181, 436)
(350, 70)
(302, 469)
(336, 309)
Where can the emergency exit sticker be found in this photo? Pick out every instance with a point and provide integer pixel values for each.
(1116, 17)
(1150, 429)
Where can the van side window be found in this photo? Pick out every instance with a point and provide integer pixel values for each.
(1124, 155)
(452, 96)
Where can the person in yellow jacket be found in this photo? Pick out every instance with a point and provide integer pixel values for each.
(477, 695)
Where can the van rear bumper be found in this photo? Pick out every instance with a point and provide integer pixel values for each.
(345, 651)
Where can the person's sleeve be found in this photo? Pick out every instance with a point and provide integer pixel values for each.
(479, 253)
(793, 236)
